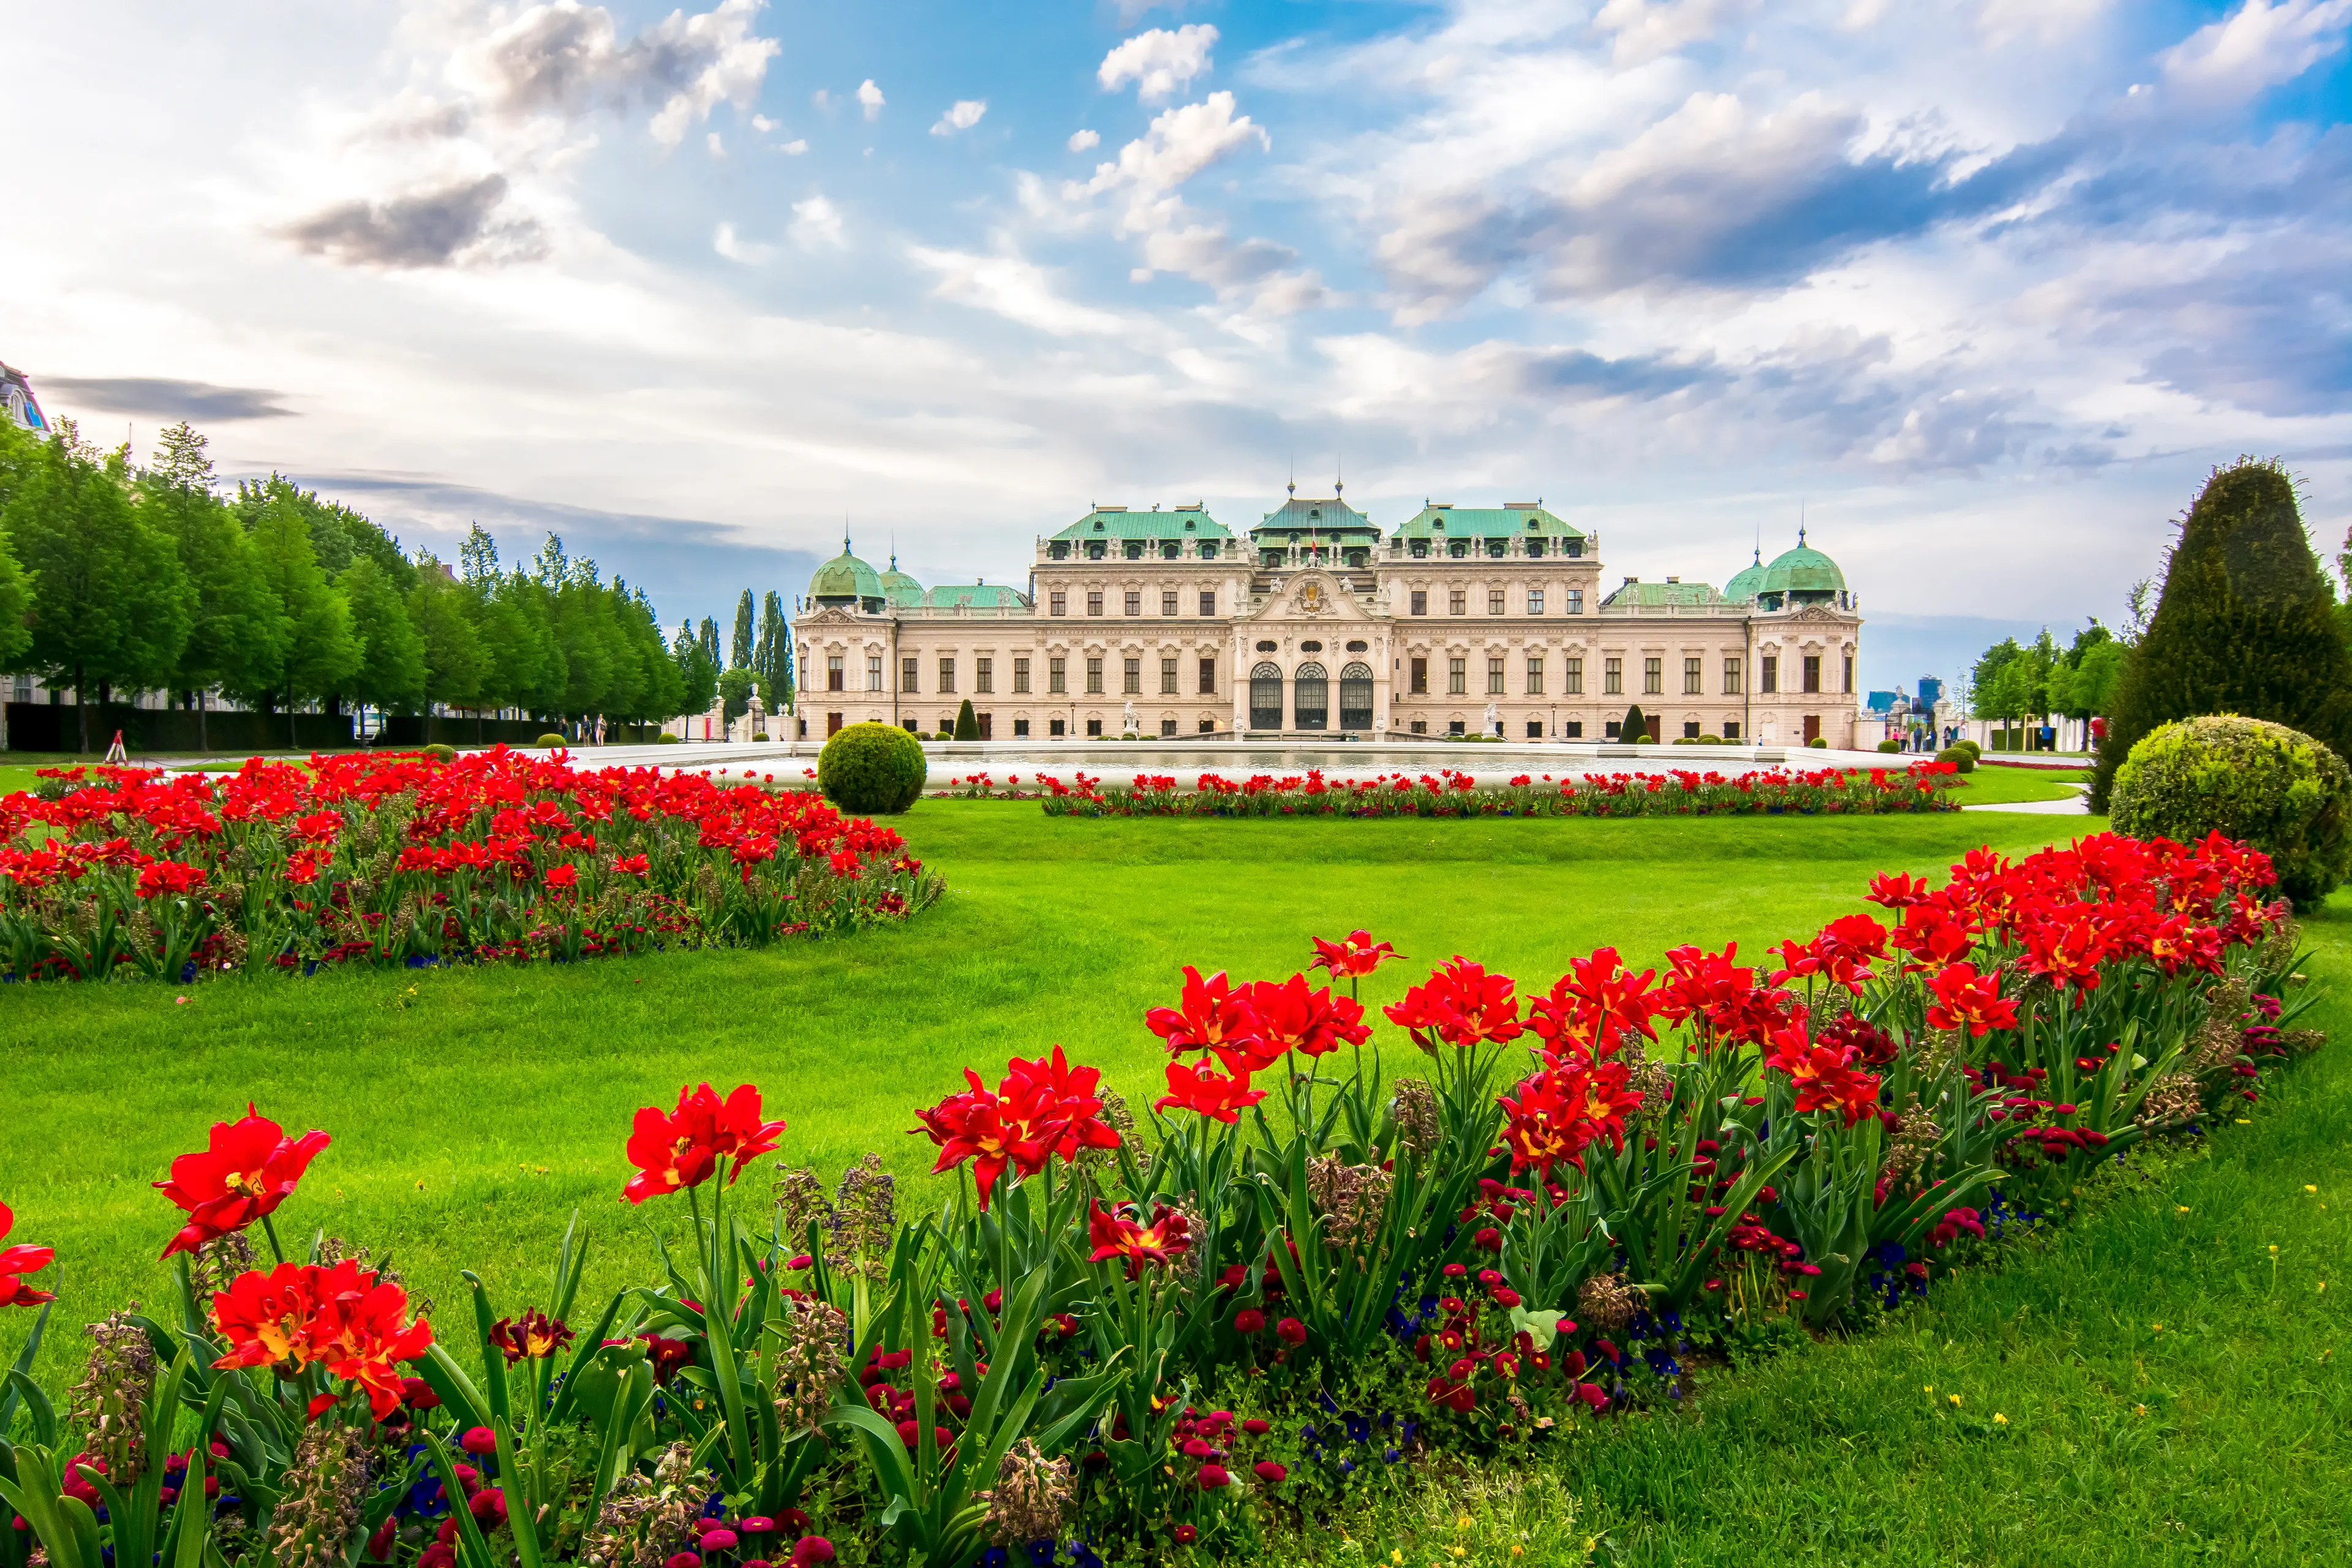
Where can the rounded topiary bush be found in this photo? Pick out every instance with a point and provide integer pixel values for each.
(1961, 757)
(551, 739)
(1890, 745)
(2270, 786)
(1819, 742)
(871, 768)
(1970, 747)
(667, 739)
(441, 751)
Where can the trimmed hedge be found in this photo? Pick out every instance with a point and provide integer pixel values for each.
(1962, 757)
(551, 739)
(871, 768)
(2270, 786)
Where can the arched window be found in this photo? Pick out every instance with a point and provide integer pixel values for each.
(1311, 702)
(1265, 697)
(1356, 697)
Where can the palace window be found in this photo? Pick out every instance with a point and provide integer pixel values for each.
(1168, 676)
(1094, 549)
(1535, 675)
(1311, 697)
(1572, 730)
(1134, 550)
(1731, 729)
(1421, 726)
(1419, 549)
(1495, 677)
(1575, 549)
(1457, 676)
(909, 674)
(1457, 602)
(1208, 601)
(1612, 677)
(1356, 697)
(1535, 549)
(1094, 729)
(1172, 550)
(1494, 600)
(1131, 677)
(1690, 729)
(1168, 600)
(1576, 601)
(1420, 685)
(1535, 726)
(1495, 548)
(1094, 674)
(873, 672)
(1057, 603)
(1653, 676)
(1812, 672)
(1421, 601)
(983, 674)
(1535, 601)
(1849, 673)
(1059, 550)
(1135, 601)
(1457, 548)
(1265, 697)
(1057, 678)
(1208, 678)
(947, 675)
(1094, 601)
(1055, 729)
(833, 676)
(1021, 729)
(1770, 681)
(1731, 678)
(1021, 675)
(1692, 680)
(1572, 683)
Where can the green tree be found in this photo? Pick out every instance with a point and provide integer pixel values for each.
(743, 647)
(389, 676)
(698, 672)
(18, 450)
(2245, 625)
(1635, 727)
(735, 690)
(322, 653)
(109, 604)
(441, 609)
(708, 639)
(338, 535)
(967, 724)
(237, 634)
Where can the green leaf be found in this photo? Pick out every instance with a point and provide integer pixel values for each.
(43, 1414)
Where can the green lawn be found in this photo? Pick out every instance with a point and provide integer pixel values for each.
(2002, 786)
(472, 1110)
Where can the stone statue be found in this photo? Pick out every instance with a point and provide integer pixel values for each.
(759, 717)
(1494, 721)
(1128, 720)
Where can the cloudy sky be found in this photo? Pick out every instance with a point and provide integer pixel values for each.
(1982, 287)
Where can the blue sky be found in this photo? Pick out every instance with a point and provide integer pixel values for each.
(1982, 288)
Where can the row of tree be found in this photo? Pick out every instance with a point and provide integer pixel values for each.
(118, 578)
(2014, 683)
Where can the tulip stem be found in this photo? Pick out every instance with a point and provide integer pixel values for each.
(270, 1230)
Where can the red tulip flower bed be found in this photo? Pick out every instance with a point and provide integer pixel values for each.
(1678, 792)
(1300, 1280)
(407, 859)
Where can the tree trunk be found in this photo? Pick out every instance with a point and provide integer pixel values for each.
(203, 741)
(82, 710)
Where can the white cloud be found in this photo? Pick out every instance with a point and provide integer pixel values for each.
(2258, 46)
(718, 148)
(795, 148)
(1014, 289)
(1179, 143)
(962, 115)
(1159, 62)
(565, 59)
(821, 98)
(2042, 21)
(1082, 140)
(816, 223)
(1645, 30)
(726, 242)
(762, 124)
(870, 97)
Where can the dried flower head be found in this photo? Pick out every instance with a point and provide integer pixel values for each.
(109, 1403)
(800, 1200)
(1911, 1153)
(809, 1367)
(2171, 1102)
(1353, 1200)
(1415, 1108)
(644, 1523)
(318, 1511)
(1031, 1501)
(866, 1218)
(1607, 1302)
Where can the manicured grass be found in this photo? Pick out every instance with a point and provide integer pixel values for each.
(1988, 786)
(472, 1110)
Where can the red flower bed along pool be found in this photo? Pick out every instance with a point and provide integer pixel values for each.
(409, 859)
(1677, 791)
(1119, 1339)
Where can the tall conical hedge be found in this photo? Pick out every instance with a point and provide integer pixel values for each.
(2246, 625)
(967, 725)
(1636, 728)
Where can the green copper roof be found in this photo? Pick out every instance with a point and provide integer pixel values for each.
(978, 595)
(1435, 521)
(1746, 583)
(1803, 570)
(845, 577)
(898, 587)
(1658, 595)
(1183, 523)
(1326, 517)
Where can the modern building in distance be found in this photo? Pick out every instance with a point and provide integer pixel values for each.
(1319, 623)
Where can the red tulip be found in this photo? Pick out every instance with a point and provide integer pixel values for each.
(246, 1169)
(344, 1318)
(1114, 1235)
(1312, 1023)
(1460, 1005)
(1199, 1090)
(17, 1261)
(1353, 957)
(1212, 1016)
(1963, 997)
(685, 1148)
(1040, 1108)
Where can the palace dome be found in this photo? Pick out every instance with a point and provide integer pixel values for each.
(898, 587)
(846, 580)
(1803, 572)
(1746, 583)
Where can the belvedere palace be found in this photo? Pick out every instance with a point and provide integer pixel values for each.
(1319, 623)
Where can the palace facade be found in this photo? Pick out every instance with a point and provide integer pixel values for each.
(1319, 623)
